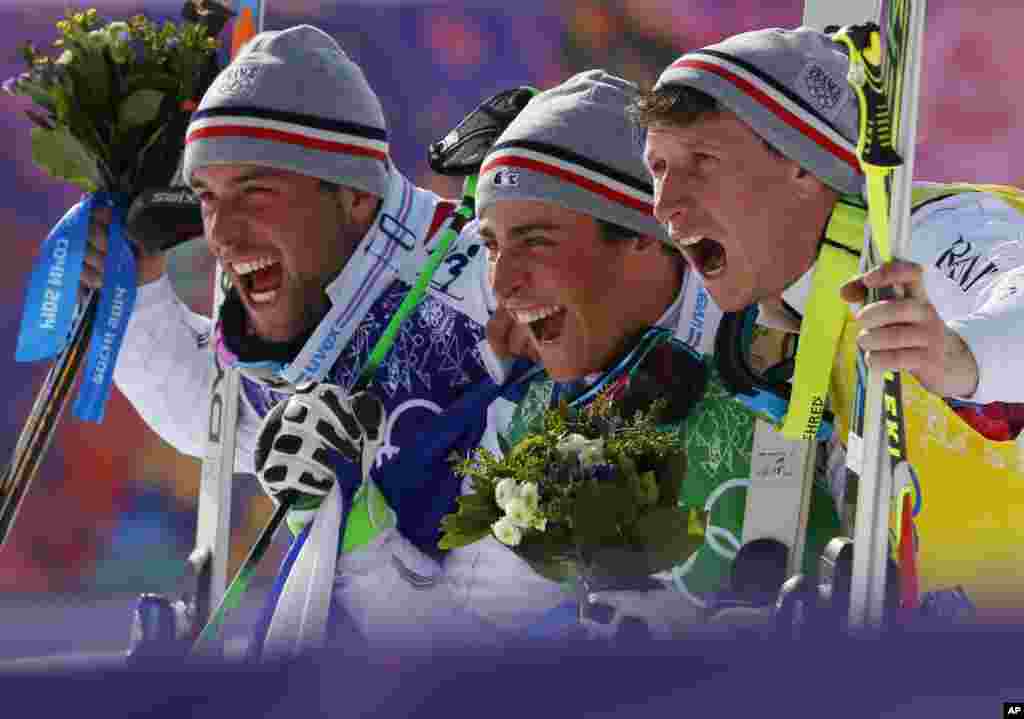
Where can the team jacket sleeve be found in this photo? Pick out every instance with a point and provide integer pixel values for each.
(993, 333)
(165, 368)
(972, 247)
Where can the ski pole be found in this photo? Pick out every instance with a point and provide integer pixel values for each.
(236, 590)
(887, 88)
(37, 434)
(213, 511)
(461, 154)
(240, 584)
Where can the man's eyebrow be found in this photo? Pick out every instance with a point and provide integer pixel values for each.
(255, 173)
(528, 229)
(258, 173)
(520, 231)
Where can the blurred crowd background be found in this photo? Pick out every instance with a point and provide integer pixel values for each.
(113, 510)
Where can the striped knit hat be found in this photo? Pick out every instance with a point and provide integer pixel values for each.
(790, 87)
(293, 100)
(574, 145)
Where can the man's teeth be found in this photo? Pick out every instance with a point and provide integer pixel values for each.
(688, 241)
(260, 298)
(244, 268)
(527, 316)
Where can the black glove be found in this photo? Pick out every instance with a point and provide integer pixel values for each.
(293, 449)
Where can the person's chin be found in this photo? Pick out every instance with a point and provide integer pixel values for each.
(268, 330)
(729, 297)
(564, 374)
(559, 366)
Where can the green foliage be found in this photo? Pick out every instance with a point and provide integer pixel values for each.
(66, 158)
(139, 108)
(663, 532)
(615, 515)
(108, 94)
(645, 489)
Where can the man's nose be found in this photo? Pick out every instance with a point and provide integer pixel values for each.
(675, 194)
(509, 274)
(224, 227)
(671, 199)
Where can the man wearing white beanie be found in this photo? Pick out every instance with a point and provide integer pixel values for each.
(751, 143)
(321, 238)
(752, 146)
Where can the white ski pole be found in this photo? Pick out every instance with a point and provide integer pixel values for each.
(209, 558)
(889, 85)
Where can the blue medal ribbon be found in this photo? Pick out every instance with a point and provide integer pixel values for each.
(52, 296)
(53, 286)
(117, 298)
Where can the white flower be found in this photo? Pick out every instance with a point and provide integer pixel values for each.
(506, 490)
(506, 532)
(592, 453)
(571, 445)
(540, 523)
(519, 514)
(530, 496)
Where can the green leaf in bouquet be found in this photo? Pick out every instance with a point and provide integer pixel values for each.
(478, 508)
(531, 450)
(645, 489)
(80, 123)
(89, 74)
(549, 554)
(119, 42)
(62, 106)
(481, 466)
(143, 154)
(625, 464)
(598, 512)
(671, 473)
(662, 535)
(619, 566)
(64, 157)
(153, 79)
(556, 569)
(470, 522)
(140, 108)
(456, 533)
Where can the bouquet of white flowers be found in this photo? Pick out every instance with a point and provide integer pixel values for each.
(589, 495)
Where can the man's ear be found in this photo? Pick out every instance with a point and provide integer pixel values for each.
(645, 243)
(360, 205)
(806, 183)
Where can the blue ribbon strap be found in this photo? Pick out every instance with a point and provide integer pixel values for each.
(117, 298)
(52, 296)
(53, 286)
